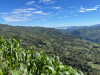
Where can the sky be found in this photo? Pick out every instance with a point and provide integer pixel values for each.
(50, 13)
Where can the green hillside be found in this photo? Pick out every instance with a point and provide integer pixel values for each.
(14, 60)
(91, 33)
(72, 50)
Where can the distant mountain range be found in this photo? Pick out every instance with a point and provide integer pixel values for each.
(76, 27)
(91, 33)
(69, 29)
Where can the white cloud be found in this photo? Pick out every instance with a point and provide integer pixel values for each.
(30, 2)
(56, 7)
(26, 14)
(15, 18)
(37, 6)
(47, 1)
(39, 12)
(88, 9)
(91, 9)
(28, 10)
(82, 9)
(95, 8)
(53, 7)
(4, 13)
(31, 9)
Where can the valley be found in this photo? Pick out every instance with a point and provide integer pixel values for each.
(72, 50)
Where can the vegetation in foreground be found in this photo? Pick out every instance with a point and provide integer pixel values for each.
(15, 60)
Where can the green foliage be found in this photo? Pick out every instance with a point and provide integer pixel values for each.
(94, 65)
(90, 33)
(18, 61)
(72, 50)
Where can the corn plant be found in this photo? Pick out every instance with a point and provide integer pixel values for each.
(14, 60)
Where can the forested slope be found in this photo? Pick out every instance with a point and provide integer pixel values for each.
(91, 33)
(72, 50)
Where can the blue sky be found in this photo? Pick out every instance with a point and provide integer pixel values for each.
(50, 13)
